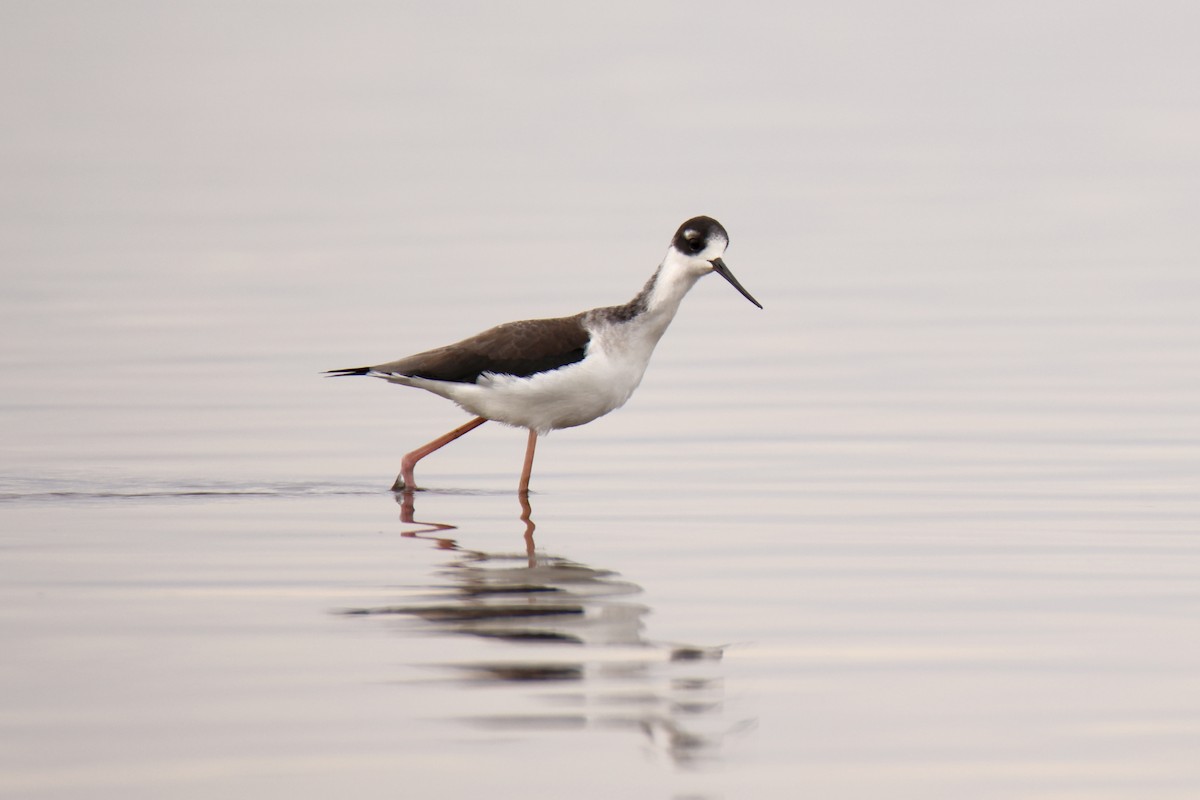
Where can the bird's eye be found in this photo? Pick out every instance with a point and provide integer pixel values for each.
(694, 245)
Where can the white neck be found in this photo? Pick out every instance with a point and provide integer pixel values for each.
(645, 318)
(674, 279)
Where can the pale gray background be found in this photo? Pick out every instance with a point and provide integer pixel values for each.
(939, 497)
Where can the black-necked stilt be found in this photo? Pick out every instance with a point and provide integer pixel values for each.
(545, 374)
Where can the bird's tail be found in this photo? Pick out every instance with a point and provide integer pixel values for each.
(341, 373)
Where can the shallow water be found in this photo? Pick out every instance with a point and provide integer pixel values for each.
(926, 526)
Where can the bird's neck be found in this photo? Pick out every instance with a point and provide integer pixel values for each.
(652, 310)
(665, 291)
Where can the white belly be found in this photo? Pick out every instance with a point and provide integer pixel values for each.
(563, 398)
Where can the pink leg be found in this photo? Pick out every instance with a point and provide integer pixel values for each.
(523, 486)
(404, 481)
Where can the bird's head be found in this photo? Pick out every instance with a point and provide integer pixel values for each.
(699, 245)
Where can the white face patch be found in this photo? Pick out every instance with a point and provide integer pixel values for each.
(716, 248)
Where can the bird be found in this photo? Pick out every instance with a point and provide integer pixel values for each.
(549, 374)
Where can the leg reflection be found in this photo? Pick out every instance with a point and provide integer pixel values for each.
(429, 530)
(407, 512)
(527, 518)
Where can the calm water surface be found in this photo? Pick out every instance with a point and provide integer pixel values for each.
(926, 526)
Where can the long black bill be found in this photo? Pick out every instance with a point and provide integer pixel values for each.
(722, 270)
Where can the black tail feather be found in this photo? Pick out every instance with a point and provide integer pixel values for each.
(341, 373)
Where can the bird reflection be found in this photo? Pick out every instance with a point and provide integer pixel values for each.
(571, 634)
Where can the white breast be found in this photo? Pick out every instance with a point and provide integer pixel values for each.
(573, 395)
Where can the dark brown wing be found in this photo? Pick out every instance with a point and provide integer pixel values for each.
(515, 348)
